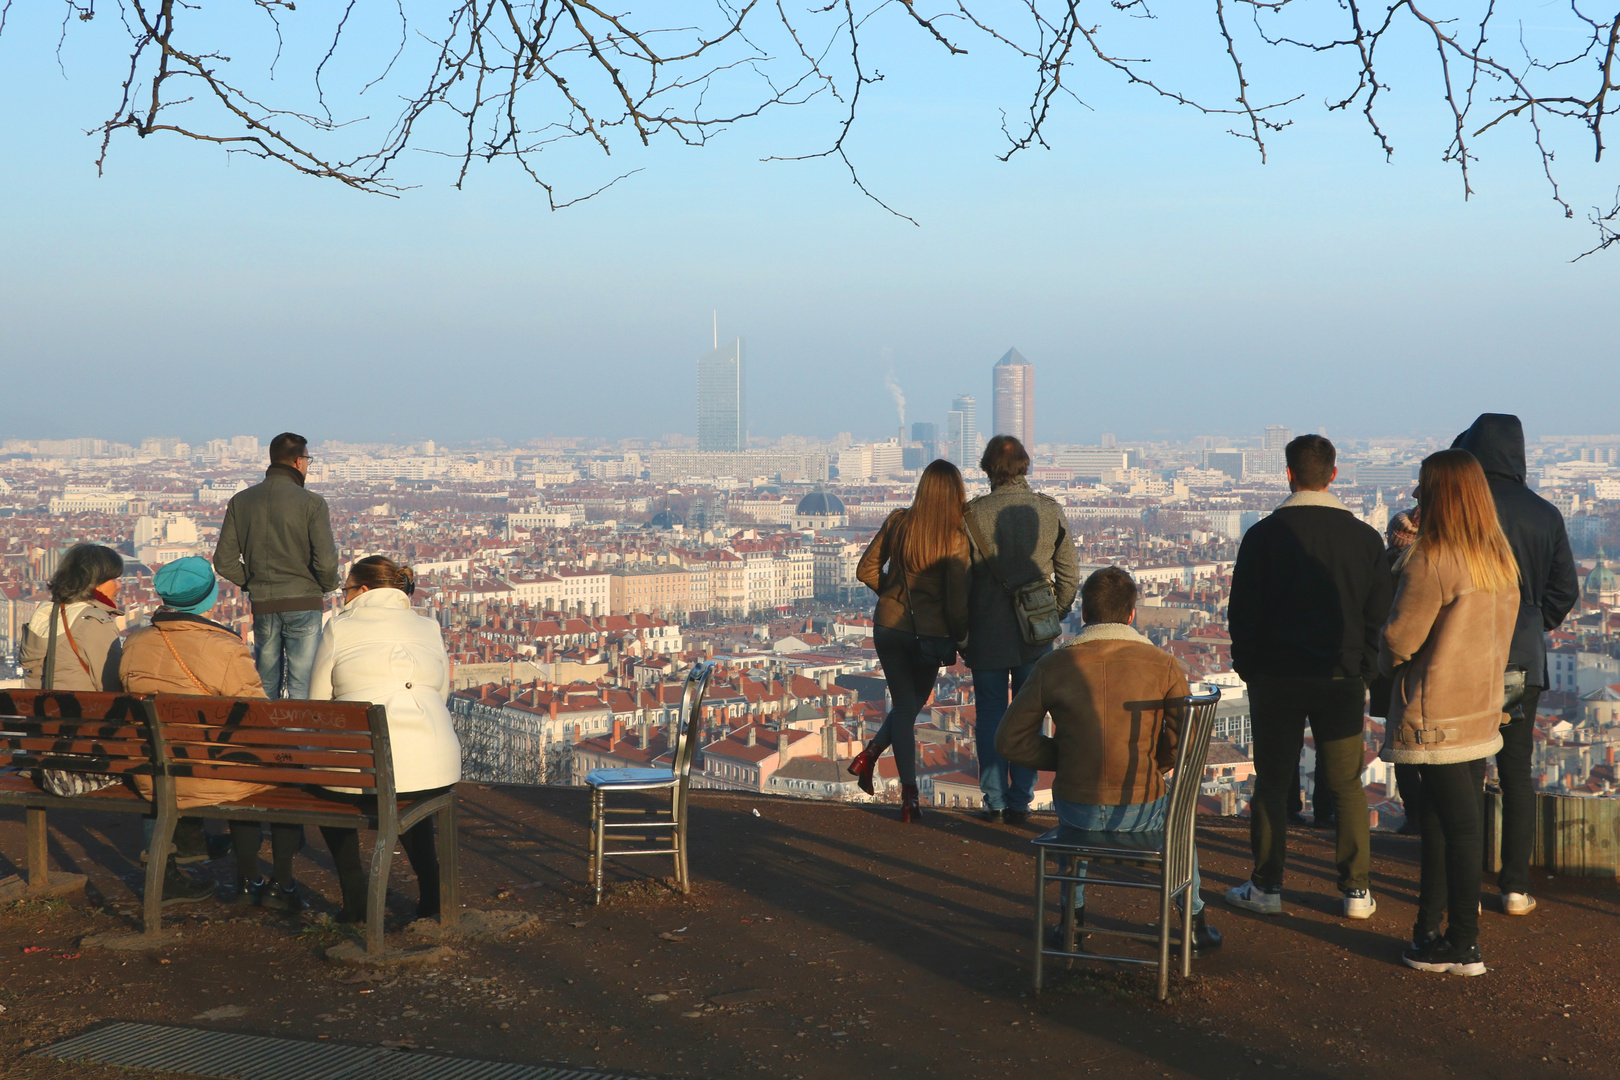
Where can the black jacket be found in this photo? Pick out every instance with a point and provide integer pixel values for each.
(1310, 593)
(1548, 586)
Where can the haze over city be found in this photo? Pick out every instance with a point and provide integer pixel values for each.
(1161, 277)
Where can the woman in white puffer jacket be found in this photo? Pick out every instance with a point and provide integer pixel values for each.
(377, 649)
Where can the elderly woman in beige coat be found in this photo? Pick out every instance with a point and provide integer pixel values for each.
(1446, 647)
(183, 652)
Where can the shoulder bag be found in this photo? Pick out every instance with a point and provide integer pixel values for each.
(1035, 603)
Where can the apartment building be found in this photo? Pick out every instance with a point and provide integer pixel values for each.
(652, 590)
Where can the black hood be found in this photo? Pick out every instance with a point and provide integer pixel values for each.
(1497, 440)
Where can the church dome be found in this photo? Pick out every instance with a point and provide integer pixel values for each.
(1601, 581)
(665, 519)
(820, 504)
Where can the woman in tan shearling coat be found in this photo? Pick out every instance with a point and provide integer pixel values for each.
(183, 652)
(1446, 647)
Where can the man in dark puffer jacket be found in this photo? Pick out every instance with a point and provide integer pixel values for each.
(1548, 589)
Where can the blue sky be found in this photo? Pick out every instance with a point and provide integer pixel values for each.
(1161, 280)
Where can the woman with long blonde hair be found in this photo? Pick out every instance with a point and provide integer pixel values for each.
(1446, 647)
(918, 566)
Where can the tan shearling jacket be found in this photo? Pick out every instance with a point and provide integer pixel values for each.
(1446, 645)
(1115, 702)
(219, 659)
(223, 667)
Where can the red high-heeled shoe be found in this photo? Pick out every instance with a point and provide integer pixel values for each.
(910, 806)
(861, 768)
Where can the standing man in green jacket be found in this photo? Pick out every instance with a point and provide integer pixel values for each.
(1019, 537)
(276, 545)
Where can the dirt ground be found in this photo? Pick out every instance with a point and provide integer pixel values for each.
(822, 941)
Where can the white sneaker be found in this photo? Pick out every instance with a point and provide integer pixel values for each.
(1359, 904)
(1518, 903)
(1251, 897)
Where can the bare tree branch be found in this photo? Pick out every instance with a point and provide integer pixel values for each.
(520, 79)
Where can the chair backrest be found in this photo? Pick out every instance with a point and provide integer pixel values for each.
(1197, 722)
(687, 728)
(73, 731)
(328, 743)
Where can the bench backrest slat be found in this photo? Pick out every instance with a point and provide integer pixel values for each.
(70, 731)
(327, 743)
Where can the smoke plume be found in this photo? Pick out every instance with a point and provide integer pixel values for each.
(898, 395)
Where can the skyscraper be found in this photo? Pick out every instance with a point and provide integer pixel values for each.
(1014, 379)
(962, 431)
(1278, 437)
(721, 392)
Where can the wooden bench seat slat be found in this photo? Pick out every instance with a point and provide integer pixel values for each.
(11, 726)
(115, 766)
(287, 715)
(285, 757)
(179, 734)
(267, 774)
(69, 704)
(109, 747)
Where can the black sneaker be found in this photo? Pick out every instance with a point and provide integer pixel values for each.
(1440, 955)
(271, 897)
(1015, 817)
(994, 817)
(180, 887)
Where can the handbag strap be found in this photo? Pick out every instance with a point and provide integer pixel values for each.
(74, 645)
(176, 654)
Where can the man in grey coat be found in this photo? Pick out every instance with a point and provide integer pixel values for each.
(1024, 537)
(276, 545)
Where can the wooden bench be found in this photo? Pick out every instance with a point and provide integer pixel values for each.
(296, 745)
(77, 733)
(293, 745)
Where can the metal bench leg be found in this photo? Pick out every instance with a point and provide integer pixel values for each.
(382, 857)
(1040, 916)
(449, 868)
(39, 871)
(157, 863)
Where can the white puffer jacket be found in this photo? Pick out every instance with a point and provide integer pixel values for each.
(377, 649)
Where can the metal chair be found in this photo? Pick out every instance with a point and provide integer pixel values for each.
(1170, 851)
(674, 779)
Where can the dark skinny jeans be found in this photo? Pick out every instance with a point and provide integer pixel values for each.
(284, 842)
(1518, 796)
(910, 676)
(1453, 850)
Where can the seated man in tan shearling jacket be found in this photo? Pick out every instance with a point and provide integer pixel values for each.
(1115, 702)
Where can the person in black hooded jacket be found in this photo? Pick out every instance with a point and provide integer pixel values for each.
(1548, 589)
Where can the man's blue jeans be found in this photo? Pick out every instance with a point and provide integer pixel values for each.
(1005, 786)
(284, 645)
(1132, 817)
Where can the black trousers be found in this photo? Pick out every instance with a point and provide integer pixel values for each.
(421, 848)
(284, 842)
(1453, 850)
(1518, 796)
(1279, 709)
(910, 676)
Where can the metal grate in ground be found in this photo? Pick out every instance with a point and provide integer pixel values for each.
(231, 1056)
